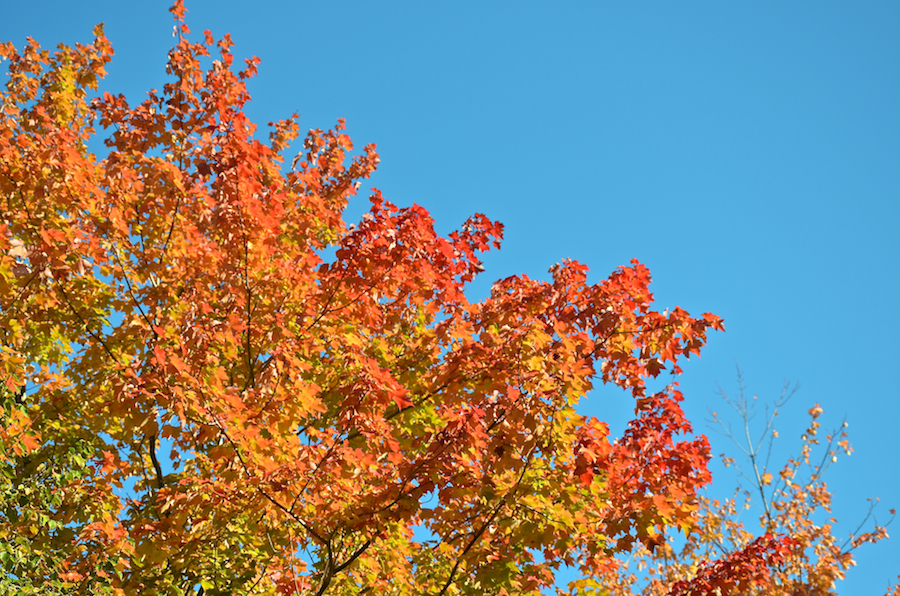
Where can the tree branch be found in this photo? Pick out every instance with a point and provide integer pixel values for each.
(484, 526)
(160, 483)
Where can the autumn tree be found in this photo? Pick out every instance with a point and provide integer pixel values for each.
(790, 499)
(197, 401)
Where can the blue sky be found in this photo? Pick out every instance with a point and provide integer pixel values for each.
(749, 154)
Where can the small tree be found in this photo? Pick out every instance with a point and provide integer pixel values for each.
(725, 554)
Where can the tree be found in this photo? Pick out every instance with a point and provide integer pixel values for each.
(794, 501)
(197, 401)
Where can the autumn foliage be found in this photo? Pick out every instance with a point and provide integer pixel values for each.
(739, 554)
(212, 383)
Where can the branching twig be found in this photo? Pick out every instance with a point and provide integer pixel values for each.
(484, 526)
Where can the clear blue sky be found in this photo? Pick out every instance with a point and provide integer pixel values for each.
(748, 153)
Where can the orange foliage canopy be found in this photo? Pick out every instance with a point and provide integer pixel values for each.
(197, 400)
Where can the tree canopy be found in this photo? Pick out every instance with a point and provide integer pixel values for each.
(213, 384)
